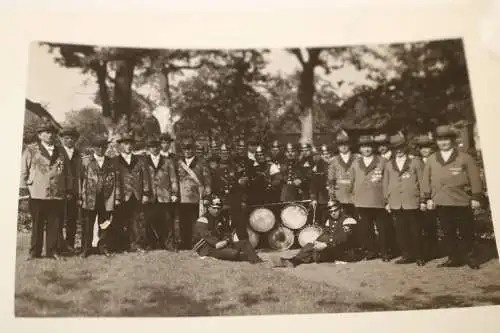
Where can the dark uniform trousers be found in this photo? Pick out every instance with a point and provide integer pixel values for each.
(379, 217)
(45, 212)
(159, 225)
(307, 254)
(131, 233)
(239, 216)
(408, 229)
(188, 213)
(88, 226)
(237, 251)
(69, 219)
(429, 234)
(453, 219)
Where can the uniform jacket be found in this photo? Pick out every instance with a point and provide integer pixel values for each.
(367, 183)
(318, 181)
(188, 188)
(45, 176)
(452, 183)
(133, 179)
(340, 180)
(333, 232)
(94, 180)
(212, 230)
(290, 171)
(226, 182)
(403, 188)
(163, 179)
(74, 167)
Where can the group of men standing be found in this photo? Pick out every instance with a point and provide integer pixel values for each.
(396, 195)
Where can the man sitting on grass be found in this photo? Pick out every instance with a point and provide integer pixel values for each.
(216, 237)
(331, 245)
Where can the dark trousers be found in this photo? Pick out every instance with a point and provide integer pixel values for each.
(46, 214)
(239, 217)
(455, 219)
(129, 233)
(159, 225)
(308, 254)
(429, 234)
(350, 210)
(368, 219)
(88, 226)
(188, 214)
(237, 251)
(408, 232)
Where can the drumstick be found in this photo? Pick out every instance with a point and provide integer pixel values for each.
(280, 203)
(314, 215)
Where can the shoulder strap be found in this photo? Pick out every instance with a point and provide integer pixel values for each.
(191, 173)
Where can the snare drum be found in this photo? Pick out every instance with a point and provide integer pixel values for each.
(309, 234)
(262, 219)
(294, 216)
(281, 239)
(253, 237)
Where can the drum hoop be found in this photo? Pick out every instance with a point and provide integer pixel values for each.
(311, 226)
(302, 207)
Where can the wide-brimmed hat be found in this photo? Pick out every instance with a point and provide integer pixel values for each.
(423, 141)
(381, 139)
(153, 142)
(342, 138)
(126, 138)
(446, 132)
(46, 128)
(69, 131)
(166, 137)
(366, 140)
(187, 143)
(99, 141)
(398, 141)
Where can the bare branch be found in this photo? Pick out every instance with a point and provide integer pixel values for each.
(297, 53)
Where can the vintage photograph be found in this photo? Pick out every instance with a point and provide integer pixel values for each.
(225, 182)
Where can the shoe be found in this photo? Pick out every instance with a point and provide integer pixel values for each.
(404, 261)
(84, 254)
(32, 257)
(370, 256)
(55, 257)
(449, 263)
(386, 258)
(472, 263)
(285, 263)
(420, 262)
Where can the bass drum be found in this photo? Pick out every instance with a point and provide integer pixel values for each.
(309, 234)
(253, 237)
(281, 239)
(294, 216)
(262, 219)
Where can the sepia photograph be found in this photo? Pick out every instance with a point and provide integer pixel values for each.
(230, 182)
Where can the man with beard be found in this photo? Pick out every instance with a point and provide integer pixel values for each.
(72, 160)
(404, 200)
(367, 191)
(453, 187)
(231, 183)
(216, 241)
(164, 192)
(425, 148)
(331, 245)
(135, 190)
(194, 183)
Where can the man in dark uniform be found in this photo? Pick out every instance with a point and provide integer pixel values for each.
(72, 159)
(318, 186)
(453, 187)
(331, 245)
(135, 190)
(216, 241)
(289, 176)
(325, 153)
(425, 148)
(276, 155)
(231, 183)
(260, 185)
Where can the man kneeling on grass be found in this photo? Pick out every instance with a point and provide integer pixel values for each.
(216, 237)
(331, 245)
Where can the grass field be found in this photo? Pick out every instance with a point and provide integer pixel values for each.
(179, 284)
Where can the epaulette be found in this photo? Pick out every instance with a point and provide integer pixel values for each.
(202, 219)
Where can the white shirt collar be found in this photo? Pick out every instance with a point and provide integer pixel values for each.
(367, 160)
(49, 148)
(446, 154)
(387, 154)
(400, 161)
(127, 157)
(155, 159)
(189, 160)
(99, 160)
(345, 156)
(69, 151)
(165, 153)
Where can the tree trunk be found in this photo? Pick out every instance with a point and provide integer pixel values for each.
(166, 100)
(123, 93)
(305, 97)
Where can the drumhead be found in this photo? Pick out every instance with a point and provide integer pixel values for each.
(281, 239)
(253, 237)
(309, 234)
(294, 216)
(262, 219)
